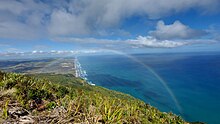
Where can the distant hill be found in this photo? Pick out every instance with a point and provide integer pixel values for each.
(50, 98)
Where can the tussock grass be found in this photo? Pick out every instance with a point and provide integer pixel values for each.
(65, 99)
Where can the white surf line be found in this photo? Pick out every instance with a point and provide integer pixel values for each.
(75, 66)
(81, 73)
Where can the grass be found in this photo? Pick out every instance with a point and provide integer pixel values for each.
(72, 100)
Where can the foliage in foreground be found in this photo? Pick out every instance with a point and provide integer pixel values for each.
(73, 102)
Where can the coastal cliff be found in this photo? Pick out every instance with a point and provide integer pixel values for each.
(46, 98)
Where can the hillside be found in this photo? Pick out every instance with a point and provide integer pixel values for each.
(47, 98)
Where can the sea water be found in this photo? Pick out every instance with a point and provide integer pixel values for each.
(192, 78)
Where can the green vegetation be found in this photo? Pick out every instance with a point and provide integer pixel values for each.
(64, 99)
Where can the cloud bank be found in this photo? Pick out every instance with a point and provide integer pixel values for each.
(177, 30)
(165, 36)
(84, 21)
(36, 18)
(149, 41)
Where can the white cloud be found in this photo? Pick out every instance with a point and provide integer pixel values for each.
(79, 20)
(95, 15)
(14, 7)
(177, 30)
(61, 53)
(64, 23)
(22, 19)
(18, 31)
(149, 41)
(86, 40)
(32, 18)
(140, 41)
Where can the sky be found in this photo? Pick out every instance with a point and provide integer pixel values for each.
(144, 26)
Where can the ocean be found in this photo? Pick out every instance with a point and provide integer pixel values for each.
(187, 84)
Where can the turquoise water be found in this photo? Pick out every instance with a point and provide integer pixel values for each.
(194, 80)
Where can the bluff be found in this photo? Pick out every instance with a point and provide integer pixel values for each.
(50, 98)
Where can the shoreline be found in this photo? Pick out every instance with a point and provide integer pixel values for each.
(80, 72)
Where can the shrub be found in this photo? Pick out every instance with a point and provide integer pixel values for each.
(37, 94)
(82, 103)
(51, 105)
(1, 76)
(62, 91)
(8, 84)
(5, 110)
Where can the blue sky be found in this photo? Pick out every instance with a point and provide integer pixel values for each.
(125, 25)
